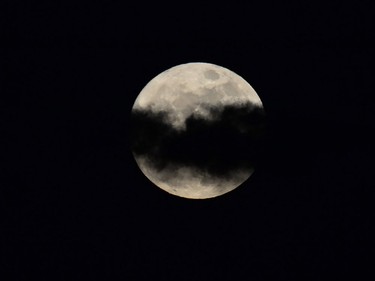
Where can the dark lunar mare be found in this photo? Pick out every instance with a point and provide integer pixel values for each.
(228, 141)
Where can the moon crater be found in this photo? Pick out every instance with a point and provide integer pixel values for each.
(211, 74)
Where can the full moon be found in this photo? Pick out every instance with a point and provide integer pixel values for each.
(196, 129)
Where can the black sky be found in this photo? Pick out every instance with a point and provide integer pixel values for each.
(74, 204)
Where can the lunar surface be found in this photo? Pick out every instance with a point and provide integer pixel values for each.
(196, 129)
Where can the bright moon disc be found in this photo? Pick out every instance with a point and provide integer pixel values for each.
(196, 128)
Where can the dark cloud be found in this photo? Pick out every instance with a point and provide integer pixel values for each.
(228, 141)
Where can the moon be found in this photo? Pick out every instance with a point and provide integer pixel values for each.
(196, 128)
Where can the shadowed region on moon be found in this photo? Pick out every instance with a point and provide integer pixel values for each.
(216, 151)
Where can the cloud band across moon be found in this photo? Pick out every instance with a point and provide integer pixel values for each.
(220, 143)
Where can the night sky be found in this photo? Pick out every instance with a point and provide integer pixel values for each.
(75, 206)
